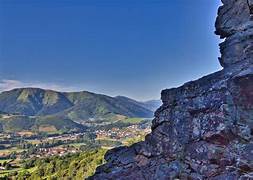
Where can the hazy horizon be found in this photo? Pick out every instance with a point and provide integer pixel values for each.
(65, 90)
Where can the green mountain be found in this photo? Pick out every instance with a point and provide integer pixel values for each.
(35, 109)
(78, 105)
(16, 123)
(33, 101)
(152, 104)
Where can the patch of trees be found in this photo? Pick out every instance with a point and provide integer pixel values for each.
(78, 166)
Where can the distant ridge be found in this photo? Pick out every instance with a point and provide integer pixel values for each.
(35, 109)
(77, 106)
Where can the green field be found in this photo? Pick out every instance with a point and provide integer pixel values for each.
(5, 160)
(133, 120)
(10, 150)
(76, 145)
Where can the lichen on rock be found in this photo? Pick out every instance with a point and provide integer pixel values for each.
(204, 129)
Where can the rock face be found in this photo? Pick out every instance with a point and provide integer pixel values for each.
(204, 129)
(235, 23)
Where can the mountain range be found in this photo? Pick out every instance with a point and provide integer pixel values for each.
(66, 110)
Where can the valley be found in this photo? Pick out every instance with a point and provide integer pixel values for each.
(38, 127)
(17, 149)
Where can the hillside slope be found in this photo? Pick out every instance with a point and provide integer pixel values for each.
(77, 106)
(18, 123)
(33, 101)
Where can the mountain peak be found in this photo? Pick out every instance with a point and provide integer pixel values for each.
(76, 105)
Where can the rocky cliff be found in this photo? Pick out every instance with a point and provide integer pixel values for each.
(204, 129)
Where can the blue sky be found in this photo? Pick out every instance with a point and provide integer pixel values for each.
(116, 47)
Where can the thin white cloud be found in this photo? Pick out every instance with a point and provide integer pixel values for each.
(9, 84)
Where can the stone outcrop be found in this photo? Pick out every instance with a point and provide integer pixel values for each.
(204, 129)
(235, 23)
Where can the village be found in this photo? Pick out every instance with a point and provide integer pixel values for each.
(117, 133)
(23, 145)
